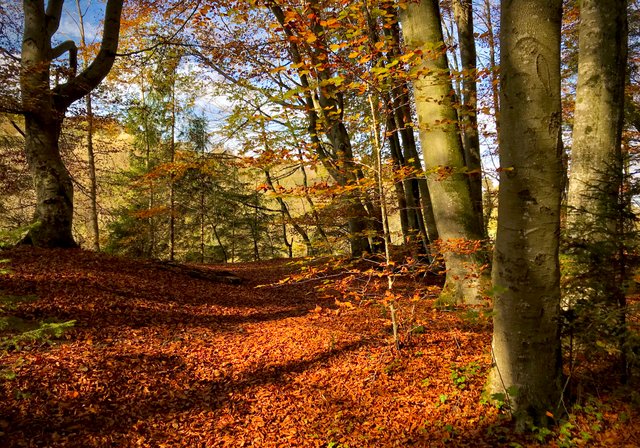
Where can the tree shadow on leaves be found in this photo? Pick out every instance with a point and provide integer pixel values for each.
(131, 390)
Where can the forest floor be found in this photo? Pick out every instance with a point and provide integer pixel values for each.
(159, 357)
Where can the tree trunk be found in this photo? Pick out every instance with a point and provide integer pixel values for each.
(325, 109)
(493, 66)
(287, 218)
(597, 131)
(53, 186)
(463, 13)
(448, 183)
(44, 109)
(593, 203)
(93, 182)
(526, 274)
(399, 184)
(417, 185)
(172, 183)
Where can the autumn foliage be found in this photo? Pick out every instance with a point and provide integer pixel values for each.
(171, 355)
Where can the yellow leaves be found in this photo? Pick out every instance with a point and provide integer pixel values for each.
(335, 81)
(346, 305)
(278, 69)
(330, 23)
(406, 57)
(290, 16)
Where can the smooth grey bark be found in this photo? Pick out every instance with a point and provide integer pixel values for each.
(526, 274)
(419, 184)
(599, 112)
(445, 167)
(463, 14)
(594, 218)
(44, 109)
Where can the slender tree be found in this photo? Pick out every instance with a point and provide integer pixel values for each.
(93, 182)
(463, 15)
(456, 220)
(526, 275)
(44, 109)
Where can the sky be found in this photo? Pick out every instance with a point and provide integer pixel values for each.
(92, 10)
(212, 105)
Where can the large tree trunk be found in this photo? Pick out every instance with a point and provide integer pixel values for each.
(54, 189)
(526, 275)
(593, 205)
(417, 185)
(456, 221)
(597, 131)
(44, 109)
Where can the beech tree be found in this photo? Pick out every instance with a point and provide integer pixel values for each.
(44, 107)
(447, 173)
(598, 119)
(526, 273)
(593, 204)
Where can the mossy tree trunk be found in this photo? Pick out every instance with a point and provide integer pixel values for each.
(526, 274)
(457, 224)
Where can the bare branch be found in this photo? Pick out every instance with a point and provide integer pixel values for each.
(17, 128)
(69, 46)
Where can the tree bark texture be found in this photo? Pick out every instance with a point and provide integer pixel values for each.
(526, 275)
(44, 108)
(597, 132)
(447, 179)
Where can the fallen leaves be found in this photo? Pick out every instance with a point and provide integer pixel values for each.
(162, 357)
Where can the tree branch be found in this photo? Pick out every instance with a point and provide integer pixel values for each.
(85, 82)
(69, 46)
(54, 13)
(17, 128)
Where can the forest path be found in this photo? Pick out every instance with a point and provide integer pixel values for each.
(160, 358)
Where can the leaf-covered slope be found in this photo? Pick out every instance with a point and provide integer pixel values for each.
(159, 357)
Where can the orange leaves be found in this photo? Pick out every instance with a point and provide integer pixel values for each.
(182, 361)
(345, 304)
(459, 246)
